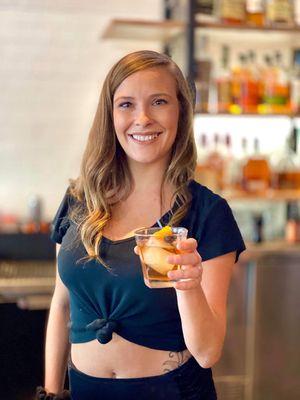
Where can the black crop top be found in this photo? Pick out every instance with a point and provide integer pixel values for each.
(104, 301)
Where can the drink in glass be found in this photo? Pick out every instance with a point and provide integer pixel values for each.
(155, 246)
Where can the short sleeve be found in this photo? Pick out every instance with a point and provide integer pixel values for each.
(220, 233)
(61, 222)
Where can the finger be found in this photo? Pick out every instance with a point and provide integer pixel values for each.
(185, 259)
(189, 273)
(136, 250)
(187, 285)
(188, 245)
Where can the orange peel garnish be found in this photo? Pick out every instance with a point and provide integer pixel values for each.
(162, 233)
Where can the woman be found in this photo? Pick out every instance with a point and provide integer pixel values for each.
(128, 340)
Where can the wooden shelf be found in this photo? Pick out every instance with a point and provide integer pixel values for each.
(143, 29)
(290, 115)
(247, 27)
(165, 30)
(269, 195)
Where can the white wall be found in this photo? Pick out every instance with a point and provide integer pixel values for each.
(53, 62)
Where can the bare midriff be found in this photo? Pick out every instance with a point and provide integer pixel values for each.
(123, 359)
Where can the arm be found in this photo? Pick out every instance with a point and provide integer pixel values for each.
(57, 341)
(202, 301)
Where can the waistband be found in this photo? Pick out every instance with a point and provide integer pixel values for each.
(190, 365)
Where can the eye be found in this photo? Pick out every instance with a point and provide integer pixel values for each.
(125, 104)
(158, 102)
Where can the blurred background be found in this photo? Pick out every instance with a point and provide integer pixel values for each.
(244, 57)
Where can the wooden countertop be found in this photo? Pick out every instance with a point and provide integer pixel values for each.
(255, 251)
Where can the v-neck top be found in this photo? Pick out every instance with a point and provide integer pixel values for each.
(103, 301)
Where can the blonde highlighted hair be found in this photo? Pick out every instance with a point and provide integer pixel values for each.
(105, 177)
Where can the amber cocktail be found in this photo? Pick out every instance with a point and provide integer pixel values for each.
(155, 245)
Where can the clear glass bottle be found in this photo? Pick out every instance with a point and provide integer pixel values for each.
(207, 172)
(295, 84)
(223, 82)
(231, 166)
(203, 79)
(215, 160)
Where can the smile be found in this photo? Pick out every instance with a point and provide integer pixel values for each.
(144, 138)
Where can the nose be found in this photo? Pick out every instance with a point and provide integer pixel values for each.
(142, 117)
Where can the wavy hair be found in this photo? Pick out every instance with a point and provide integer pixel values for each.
(105, 177)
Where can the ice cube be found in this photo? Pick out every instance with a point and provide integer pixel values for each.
(156, 258)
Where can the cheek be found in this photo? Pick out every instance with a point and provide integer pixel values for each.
(172, 121)
(119, 123)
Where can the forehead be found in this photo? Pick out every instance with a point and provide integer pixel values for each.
(155, 80)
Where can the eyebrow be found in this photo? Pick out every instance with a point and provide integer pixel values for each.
(132, 98)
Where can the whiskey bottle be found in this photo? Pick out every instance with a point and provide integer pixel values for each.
(255, 12)
(256, 172)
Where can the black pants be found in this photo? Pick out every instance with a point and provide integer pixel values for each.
(188, 382)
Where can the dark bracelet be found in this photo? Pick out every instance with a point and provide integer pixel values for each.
(41, 394)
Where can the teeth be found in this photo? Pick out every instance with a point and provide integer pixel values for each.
(144, 138)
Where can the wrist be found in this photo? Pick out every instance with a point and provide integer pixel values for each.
(42, 394)
(191, 292)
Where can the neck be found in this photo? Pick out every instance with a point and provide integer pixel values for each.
(148, 177)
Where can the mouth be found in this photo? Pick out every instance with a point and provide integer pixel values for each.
(144, 138)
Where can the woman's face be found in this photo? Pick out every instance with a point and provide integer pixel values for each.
(145, 114)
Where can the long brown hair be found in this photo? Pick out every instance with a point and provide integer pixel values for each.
(105, 177)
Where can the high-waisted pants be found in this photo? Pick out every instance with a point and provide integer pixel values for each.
(188, 382)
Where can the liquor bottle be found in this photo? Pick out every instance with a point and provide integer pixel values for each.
(205, 11)
(238, 77)
(279, 12)
(215, 161)
(244, 87)
(275, 87)
(258, 227)
(231, 167)
(224, 83)
(241, 161)
(295, 84)
(207, 172)
(268, 86)
(255, 12)
(232, 11)
(204, 76)
(292, 228)
(256, 171)
(254, 83)
(282, 85)
(202, 150)
(297, 12)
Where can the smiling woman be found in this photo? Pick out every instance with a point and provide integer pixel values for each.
(146, 117)
(127, 340)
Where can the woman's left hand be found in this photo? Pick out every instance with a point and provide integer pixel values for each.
(191, 268)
